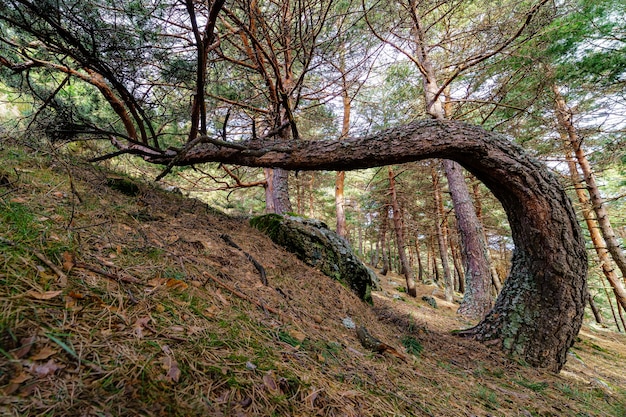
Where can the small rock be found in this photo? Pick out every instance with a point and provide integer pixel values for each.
(348, 323)
(430, 300)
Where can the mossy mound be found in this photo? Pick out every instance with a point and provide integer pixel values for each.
(318, 246)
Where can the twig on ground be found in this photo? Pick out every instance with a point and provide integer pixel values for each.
(105, 274)
(257, 265)
(245, 297)
(41, 257)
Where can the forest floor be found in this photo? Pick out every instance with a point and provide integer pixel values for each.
(120, 299)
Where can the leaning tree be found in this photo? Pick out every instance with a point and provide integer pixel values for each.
(540, 309)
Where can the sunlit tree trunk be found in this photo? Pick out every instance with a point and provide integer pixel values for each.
(599, 227)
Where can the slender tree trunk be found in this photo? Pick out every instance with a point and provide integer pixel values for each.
(564, 117)
(595, 227)
(441, 229)
(345, 130)
(420, 267)
(397, 222)
(383, 240)
(339, 203)
(594, 309)
(459, 281)
(594, 232)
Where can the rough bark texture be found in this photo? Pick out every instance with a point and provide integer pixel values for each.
(477, 299)
(540, 309)
(277, 191)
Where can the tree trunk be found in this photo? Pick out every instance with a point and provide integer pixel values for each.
(540, 309)
(595, 227)
(477, 299)
(441, 230)
(594, 232)
(397, 222)
(420, 267)
(339, 203)
(564, 117)
(384, 215)
(459, 282)
(277, 191)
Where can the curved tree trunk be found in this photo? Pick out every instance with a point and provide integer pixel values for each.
(540, 309)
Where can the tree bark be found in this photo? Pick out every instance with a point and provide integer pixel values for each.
(477, 299)
(277, 191)
(540, 309)
(340, 203)
(384, 215)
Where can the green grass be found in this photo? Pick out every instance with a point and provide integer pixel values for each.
(412, 345)
(533, 386)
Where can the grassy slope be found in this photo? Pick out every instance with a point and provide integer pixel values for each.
(158, 316)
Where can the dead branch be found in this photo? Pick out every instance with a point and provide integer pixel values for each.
(245, 297)
(257, 265)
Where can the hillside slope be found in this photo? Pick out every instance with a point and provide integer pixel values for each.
(120, 299)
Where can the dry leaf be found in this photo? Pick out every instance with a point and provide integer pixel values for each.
(156, 282)
(76, 295)
(212, 311)
(46, 369)
(27, 344)
(139, 326)
(22, 377)
(173, 372)
(299, 336)
(176, 283)
(269, 382)
(14, 383)
(43, 295)
(68, 261)
(43, 354)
